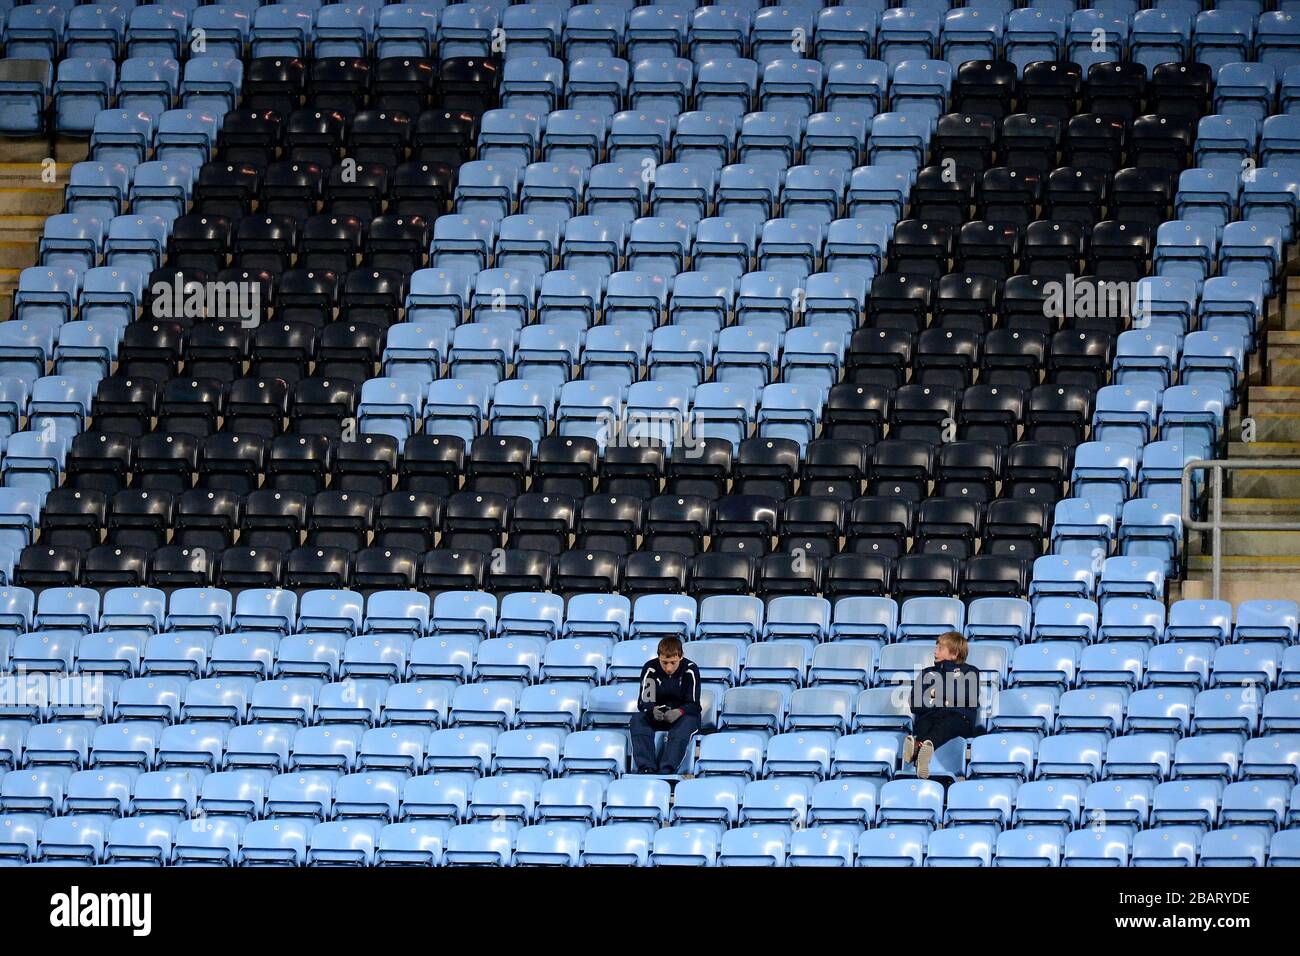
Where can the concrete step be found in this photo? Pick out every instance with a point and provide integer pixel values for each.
(1244, 508)
(1287, 318)
(20, 237)
(1278, 314)
(1246, 564)
(1255, 543)
(1237, 586)
(64, 150)
(27, 195)
(1283, 371)
(1255, 370)
(18, 255)
(1263, 483)
(20, 232)
(1274, 408)
(1284, 343)
(1273, 398)
(41, 199)
(19, 173)
(8, 283)
(19, 228)
(1270, 426)
(1263, 449)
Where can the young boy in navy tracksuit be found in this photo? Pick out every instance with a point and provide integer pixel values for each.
(945, 702)
(669, 700)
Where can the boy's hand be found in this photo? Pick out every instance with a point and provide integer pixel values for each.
(672, 715)
(659, 712)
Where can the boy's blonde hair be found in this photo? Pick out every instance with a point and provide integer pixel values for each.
(954, 641)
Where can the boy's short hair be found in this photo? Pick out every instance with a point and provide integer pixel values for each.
(670, 647)
(954, 641)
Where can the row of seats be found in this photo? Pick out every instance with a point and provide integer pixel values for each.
(454, 92)
(494, 511)
(897, 444)
(159, 102)
(882, 358)
(1170, 32)
(1147, 752)
(210, 391)
(1254, 7)
(1206, 733)
(53, 31)
(225, 840)
(547, 355)
(291, 359)
(593, 90)
(563, 502)
(727, 87)
(314, 455)
(615, 616)
(1108, 671)
(771, 141)
(150, 88)
(852, 88)
(207, 82)
(69, 286)
(723, 250)
(580, 570)
(873, 620)
(585, 107)
(324, 776)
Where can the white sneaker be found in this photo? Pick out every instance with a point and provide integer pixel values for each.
(909, 748)
(923, 756)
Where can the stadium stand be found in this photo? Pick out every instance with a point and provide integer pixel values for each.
(391, 378)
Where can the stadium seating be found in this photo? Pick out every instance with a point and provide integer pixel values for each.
(382, 394)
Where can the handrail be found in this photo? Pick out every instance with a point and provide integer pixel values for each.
(1215, 524)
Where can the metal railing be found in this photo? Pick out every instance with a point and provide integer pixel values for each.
(1214, 523)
